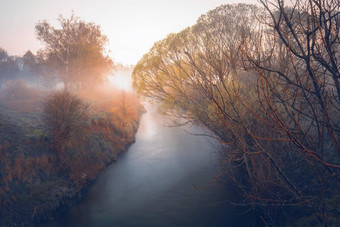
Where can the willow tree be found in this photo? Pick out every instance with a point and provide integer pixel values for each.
(75, 52)
(297, 63)
(234, 74)
(198, 75)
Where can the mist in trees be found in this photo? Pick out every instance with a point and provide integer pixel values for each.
(60, 123)
(12, 67)
(264, 81)
(75, 53)
(75, 56)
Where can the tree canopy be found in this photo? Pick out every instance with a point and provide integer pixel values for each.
(264, 81)
(75, 53)
(9, 66)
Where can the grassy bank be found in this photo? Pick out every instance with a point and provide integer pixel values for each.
(37, 181)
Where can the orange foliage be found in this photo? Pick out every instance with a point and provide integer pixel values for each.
(110, 125)
(115, 119)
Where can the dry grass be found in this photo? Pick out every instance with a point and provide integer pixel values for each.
(89, 138)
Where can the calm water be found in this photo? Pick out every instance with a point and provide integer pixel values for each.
(153, 184)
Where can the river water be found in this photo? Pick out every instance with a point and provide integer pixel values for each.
(159, 181)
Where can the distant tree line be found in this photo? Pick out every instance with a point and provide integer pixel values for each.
(13, 67)
(265, 81)
(74, 56)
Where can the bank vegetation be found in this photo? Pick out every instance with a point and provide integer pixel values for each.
(265, 81)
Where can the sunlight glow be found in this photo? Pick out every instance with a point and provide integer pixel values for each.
(132, 26)
(121, 81)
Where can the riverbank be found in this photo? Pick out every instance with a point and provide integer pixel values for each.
(37, 184)
(163, 180)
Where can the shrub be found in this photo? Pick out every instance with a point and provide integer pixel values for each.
(66, 115)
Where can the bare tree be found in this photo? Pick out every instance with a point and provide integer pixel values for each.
(296, 59)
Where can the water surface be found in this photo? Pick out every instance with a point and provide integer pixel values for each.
(155, 183)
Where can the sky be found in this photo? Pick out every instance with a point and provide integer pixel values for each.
(132, 26)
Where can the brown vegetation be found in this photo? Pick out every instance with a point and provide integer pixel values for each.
(66, 115)
(52, 145)
(47, 158)
(264, 81)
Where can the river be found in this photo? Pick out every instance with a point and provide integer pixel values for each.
(155, 183)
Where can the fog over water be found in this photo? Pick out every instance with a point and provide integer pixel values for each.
(155, 183)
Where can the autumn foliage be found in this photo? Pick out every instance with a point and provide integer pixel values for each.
(52, 144)
(48, 156)
(265, 83)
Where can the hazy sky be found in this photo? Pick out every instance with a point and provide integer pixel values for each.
(132, 26)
